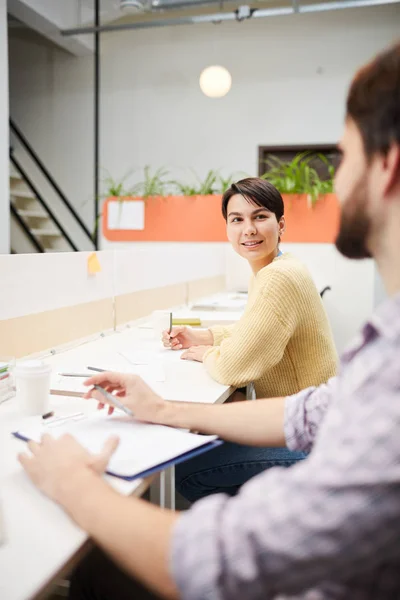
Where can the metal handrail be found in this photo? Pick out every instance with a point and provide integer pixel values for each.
(50, 179)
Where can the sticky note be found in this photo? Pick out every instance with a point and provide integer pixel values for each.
(93, 264)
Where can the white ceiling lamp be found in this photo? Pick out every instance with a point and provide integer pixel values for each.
(215, 81)
(132, 6)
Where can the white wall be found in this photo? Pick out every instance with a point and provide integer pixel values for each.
(4, 177)
(290, 76)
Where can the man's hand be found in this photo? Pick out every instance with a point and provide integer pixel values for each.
(195, 353)
(145, 404)
(60, 467)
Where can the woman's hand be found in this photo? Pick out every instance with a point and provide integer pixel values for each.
(185, 337)
(195, 353)
(145, 404)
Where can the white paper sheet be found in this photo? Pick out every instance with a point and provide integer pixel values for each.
(142, 445)
(146, 365)
(126, 215)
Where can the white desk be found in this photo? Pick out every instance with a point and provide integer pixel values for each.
(227, 301)
(40, 537)
(42, 542)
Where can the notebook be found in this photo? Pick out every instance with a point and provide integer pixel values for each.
(143, 449)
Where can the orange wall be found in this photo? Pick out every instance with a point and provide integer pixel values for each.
(199, 219)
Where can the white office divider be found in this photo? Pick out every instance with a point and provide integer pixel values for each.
(152, 276)
(147, 266)
(34, 283)
(51, 299)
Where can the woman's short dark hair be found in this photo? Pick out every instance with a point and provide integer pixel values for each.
(259, 192)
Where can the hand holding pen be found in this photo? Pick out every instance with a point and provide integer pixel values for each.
(128, 393)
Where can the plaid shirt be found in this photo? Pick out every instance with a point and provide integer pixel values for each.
(329, 527)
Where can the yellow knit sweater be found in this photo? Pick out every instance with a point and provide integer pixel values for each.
(283, 342)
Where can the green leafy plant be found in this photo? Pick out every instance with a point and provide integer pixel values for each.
(224, 183)
(116, 187)
(299, 177)
(154, 184)
(201, 187)
(213, 183)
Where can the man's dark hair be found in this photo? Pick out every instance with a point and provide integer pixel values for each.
(256, 190)
(373, 102)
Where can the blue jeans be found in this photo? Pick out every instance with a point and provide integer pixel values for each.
(226, 468)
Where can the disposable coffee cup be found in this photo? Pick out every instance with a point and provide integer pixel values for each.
(32, 381)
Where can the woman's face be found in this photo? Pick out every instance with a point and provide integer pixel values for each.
(252, 230)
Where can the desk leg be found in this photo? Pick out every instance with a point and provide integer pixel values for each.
(171, 474)
(250, 392)
(162, 489)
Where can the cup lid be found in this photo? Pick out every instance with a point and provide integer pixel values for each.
(32, 367)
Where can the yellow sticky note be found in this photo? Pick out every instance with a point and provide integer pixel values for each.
(93, 264)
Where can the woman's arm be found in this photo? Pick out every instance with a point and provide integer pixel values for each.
(259, 339)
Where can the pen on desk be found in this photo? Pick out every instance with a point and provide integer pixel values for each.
(96, 369)
(113, 400)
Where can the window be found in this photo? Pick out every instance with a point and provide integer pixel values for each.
(287, 153)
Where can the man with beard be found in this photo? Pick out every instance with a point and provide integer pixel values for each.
(329, 527)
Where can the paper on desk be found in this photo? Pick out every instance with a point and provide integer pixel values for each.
(225, 305)
(142, 446)
(2, 525)
(150, 373)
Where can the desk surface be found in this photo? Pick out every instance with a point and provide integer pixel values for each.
(232, 301)
(41, 540)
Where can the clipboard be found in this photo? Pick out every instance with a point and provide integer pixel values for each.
(144, 448)
(157, 468)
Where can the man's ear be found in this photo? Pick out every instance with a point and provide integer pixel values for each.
(391, 168)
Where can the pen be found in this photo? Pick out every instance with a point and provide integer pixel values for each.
(113, 400)
(96, 369)
(86, 375)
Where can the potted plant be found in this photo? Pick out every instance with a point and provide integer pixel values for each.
(172, 210)
(311, 207)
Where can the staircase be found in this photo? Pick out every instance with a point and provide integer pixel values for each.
(32, 230)
(42, 217)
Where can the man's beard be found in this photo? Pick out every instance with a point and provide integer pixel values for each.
(354, 228)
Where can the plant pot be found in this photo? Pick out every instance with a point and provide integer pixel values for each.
(199, 219)
(311, 225)
(173, 219)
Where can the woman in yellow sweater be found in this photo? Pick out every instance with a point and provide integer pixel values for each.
(283, 342)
